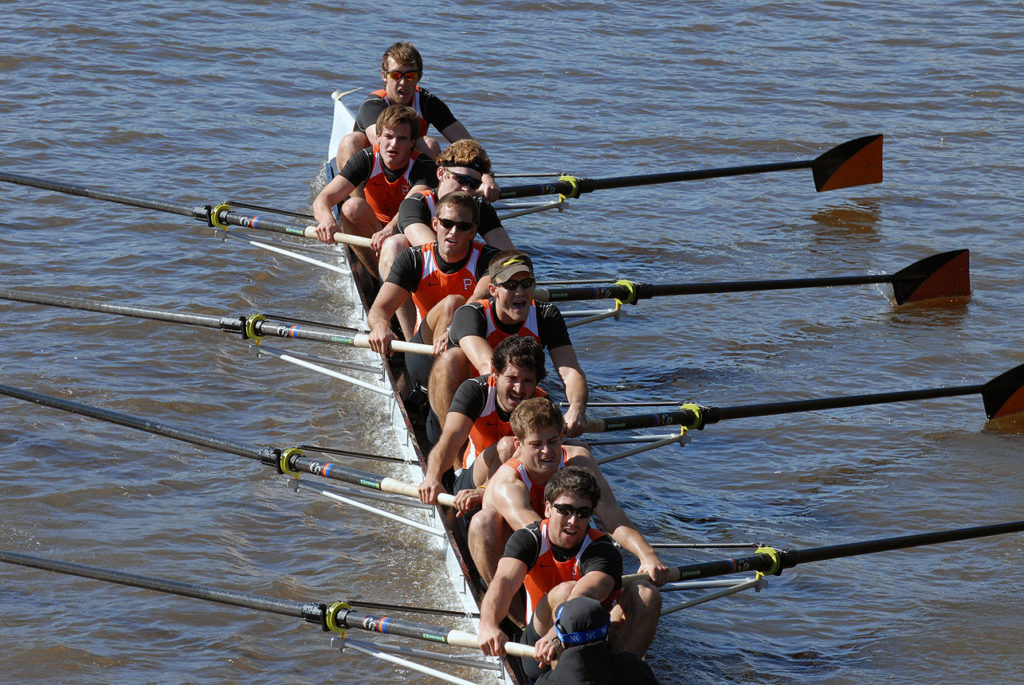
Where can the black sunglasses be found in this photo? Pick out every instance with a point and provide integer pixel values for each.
(464, 180)
(565, 510)
(524, 283)
(460, 225)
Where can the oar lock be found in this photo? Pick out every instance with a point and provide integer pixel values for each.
(211, 214)
(327, 616)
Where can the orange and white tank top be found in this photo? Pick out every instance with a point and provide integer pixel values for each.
(383, 94)
(528, 329)
(383, 195)
(435, 285)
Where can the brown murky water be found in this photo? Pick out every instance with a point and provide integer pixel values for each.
(199, 104)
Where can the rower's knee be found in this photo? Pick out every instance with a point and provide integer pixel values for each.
(350, 144)
(389, 252)
(641, 599)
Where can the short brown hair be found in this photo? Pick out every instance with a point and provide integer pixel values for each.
(461, 199)
(521, 351)
(534, 414)
(466, 153)
(394, 116)
(403, 53)
(576, 480)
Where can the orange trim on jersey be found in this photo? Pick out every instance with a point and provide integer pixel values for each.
(536, 489)
(489, 428)
(383, 95)
(435, 285)
(385, 196)
(527, 329)
(547, 572)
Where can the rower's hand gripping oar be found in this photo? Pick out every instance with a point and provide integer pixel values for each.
(853, 163)
(771, 561)
(291, 461)
(335, 616)
(219, 216)
(253, 327)
(1002, 396)
(940, 275)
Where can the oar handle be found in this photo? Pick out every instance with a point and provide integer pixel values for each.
(363, 340)
(629, 578)
(348, 239)
(461, 638)
(400, 487)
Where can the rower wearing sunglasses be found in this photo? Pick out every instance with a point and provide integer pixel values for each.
(508, 310)
(438, 277)
(460, 167)
(401, 69)
(560, 558)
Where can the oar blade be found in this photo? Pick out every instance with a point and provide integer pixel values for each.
(943, 275)
(854, 163)
(1004, 394)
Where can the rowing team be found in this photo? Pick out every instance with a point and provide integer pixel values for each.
(528, 498)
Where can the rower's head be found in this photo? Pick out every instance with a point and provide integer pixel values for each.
(401, 68)
(461, 166)
(518, 366)
(570, 497)
(512, 285)
(398, 128)
(537, 428)
(455, 223)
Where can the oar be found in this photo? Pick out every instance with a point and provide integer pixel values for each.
(251, 327)
(333, 616)
(1002, 396)
(941, 275)
(291, 461)
(855, 162)
(772, 561)
(216, 216)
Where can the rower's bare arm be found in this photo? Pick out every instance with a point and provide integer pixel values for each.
(323, 207)
(568, 366)
(455, 131)
(506, 583)
(617, 523)
(378, 238)
(511, 498)
(389, 299)
(480, 291)
(479, 353)
(420, 234)
(498, 237)
(443, 456)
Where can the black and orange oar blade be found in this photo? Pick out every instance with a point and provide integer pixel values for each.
(854, 163)
(1002, 396)
(941, 275)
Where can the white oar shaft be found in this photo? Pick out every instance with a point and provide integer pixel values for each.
(399, 487)
(357, 240)
(461, 638)
(363, 340)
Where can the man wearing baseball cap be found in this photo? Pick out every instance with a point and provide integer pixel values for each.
(477, 327)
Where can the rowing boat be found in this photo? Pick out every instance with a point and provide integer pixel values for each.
(409, 421)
